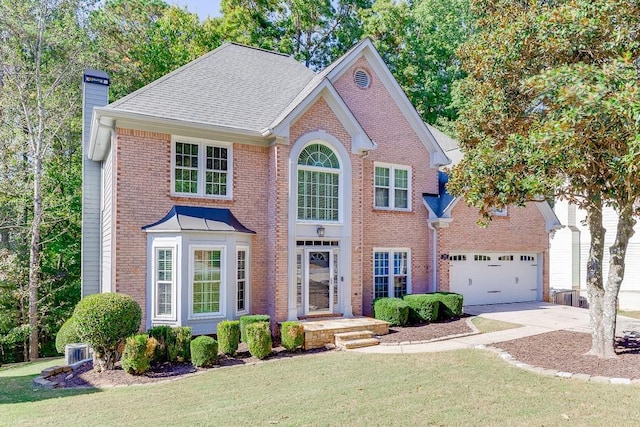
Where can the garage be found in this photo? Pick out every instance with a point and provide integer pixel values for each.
(492, 278)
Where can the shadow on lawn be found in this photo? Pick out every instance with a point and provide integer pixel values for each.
(20, 389)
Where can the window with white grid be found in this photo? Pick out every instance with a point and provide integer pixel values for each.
(318, 184)
(164, 282)
(391, 273)
(392, 187)
(206, 280)
(241, 280)
(201, 169)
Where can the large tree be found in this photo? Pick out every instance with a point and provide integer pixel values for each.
(418, 41)
(551, 109)
(42, 53)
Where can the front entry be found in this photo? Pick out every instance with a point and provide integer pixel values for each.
(317, 280)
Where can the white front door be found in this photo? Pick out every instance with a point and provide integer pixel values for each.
(317, 280)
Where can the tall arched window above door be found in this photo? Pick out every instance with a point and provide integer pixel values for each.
(318, 183)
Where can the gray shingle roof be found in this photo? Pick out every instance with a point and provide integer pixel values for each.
(233, 86)
(441, 202)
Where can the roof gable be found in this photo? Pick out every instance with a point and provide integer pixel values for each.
(234, 86)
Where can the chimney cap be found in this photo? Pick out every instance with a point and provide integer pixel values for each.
(96, 77)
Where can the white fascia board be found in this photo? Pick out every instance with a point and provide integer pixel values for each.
(447, 212)
(360, 140)
(108, 118)
(437, 156)
(551, 220)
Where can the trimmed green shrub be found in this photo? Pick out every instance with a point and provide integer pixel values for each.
(450, 304)
(248, 319)
(204, 351)
(68, 334)
(392, 310)
(164, 335)
(292, 335)
(423, 308)
(137, 354)
(104, 321)
(179, 349)
(228, 336)
(258, 337)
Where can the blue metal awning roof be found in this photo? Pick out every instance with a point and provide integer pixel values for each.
(441, 202)
(190, 218)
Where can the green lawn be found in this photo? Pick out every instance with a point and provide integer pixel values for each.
(634, 314)
(486, 325)
(469, 387)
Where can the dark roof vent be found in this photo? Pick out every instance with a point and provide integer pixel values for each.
(362, 79)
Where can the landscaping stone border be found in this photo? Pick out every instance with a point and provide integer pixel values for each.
(554, 373)
(43, 381)
(474, 331)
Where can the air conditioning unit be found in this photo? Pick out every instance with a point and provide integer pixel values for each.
(75, 353)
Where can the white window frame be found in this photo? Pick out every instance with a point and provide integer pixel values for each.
(202, 145)
(392, 187)
(391, 276)
(247, 283)
(338, 172)
(223, 281)
(163, 245)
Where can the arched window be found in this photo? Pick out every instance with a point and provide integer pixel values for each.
(318, 183)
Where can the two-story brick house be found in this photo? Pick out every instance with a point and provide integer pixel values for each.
(244, 182)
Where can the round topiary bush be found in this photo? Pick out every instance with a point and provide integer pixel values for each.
(247, 320)
(68, 334)
(292, 335)
(228, 336)
(204, 351)
(137, 354)
(104, 321)
(259, 339)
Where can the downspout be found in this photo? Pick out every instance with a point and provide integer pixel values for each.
(435, 255)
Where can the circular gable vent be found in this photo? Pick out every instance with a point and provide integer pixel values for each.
(362, 79)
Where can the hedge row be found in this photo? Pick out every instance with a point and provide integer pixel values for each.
(418, 308)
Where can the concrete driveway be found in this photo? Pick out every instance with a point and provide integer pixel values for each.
(535, 318)
(545, 315)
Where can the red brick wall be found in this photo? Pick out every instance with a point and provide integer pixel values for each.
(523, 230)
(143, 195)
(398, 144)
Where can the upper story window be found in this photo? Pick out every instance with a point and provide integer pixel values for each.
(500, 211)
(318, 183)
(392, 187)
(201, 169)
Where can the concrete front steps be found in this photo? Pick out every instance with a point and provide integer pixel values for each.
(357, 339)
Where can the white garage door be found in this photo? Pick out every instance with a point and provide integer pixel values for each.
(490, 278)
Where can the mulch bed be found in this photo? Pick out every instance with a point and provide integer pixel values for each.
(559, 350)
(565, 351)
(417, 333)
(85, 376)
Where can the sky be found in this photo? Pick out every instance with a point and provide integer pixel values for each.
(201, 7)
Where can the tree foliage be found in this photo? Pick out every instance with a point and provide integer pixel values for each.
(550, 109)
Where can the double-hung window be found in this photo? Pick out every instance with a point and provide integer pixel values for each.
(164, 283)
(242, 278)
(201, 169)
(391, 273)
(392, 187)
(318, 184)
(206, 282)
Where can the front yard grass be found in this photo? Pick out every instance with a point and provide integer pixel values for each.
(467, 387)
(486, 325)
(634, 314)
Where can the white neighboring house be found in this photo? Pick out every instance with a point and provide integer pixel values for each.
(570, 250)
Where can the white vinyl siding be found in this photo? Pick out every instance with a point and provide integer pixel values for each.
(392, 187)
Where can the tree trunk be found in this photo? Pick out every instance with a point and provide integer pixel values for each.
(618, 253)
(595, 288)
(34, 259)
